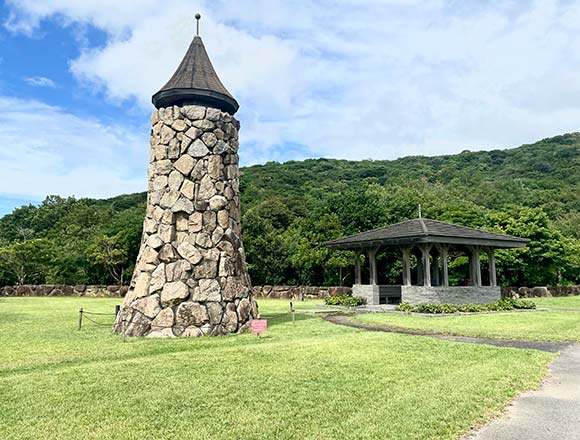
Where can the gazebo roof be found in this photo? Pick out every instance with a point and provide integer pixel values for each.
(424, 230)
(196, 82)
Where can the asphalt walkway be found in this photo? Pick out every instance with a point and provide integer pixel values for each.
(550, 413)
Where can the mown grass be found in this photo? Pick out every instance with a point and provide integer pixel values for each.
(304, 380)
(532, 325)
(572, 302)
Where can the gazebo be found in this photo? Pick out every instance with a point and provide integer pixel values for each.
(432, 243)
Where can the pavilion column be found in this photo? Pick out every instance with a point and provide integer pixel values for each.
(419, 269)
(475, 265)
(435, 271)
(374, 276)
(406, 251)
(492, 271)
(444, 254)
(357, 271)
(425, 248)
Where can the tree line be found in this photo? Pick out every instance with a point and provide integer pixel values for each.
(289, 210)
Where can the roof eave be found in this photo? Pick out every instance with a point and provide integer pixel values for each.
(193, 96)
(417, 239)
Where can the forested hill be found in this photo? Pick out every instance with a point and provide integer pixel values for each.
(545, 174)
(290, 209)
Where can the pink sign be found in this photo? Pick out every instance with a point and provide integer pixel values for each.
(259, 326)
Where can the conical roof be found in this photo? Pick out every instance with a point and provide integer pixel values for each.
(195, 82)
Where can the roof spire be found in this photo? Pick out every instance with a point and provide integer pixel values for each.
(197, 17)
(420, 216)
(195, 82)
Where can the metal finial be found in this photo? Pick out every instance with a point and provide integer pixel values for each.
(419, 210)
(197, 17)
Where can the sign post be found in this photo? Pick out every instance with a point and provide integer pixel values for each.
(259, 326)
(292, 311)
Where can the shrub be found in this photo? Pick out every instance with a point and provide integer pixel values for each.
(344, 300)
(501, 305)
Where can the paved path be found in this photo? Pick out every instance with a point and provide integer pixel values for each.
(563, 309)
(549, 346)
(550, 413)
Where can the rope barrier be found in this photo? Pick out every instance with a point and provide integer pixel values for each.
(97, 313)
(86, 314)
(98, 323)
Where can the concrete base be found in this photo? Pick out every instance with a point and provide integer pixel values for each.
(450, 295)
(433, 295)
(370, 292)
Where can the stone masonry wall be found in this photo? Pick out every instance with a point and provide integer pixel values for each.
(190, 278)
(370, 293)
(298, 292)
(295, 292)
(531, 292)
(258, 291)
(60, 290)
(449, 295)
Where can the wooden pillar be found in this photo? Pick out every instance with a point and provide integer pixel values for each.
(406, 251)
(475, 265)
(444, 254)
(357, 271)
(419, 257)
(425, 248)
(435, 271)
(492, 272)
(374, 275)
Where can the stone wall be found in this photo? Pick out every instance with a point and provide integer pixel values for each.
(59, 290)
(298, 292)
(450, 295)
(535, 292)
(261, 291)
(295, 292)
(370, 293)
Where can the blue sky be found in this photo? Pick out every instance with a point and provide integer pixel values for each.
(376, 79)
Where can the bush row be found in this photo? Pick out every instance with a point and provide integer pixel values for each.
(502, 304)
(344, 300)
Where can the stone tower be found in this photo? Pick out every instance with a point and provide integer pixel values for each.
(190, 278)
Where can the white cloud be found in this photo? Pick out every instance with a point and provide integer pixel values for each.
(40, 81)
(378, 79)
(44, 150)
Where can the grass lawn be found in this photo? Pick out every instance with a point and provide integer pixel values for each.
(535, 325)
(572, 302)
(308, 380)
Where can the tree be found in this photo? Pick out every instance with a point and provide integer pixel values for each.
(110, 253)
(28, 261)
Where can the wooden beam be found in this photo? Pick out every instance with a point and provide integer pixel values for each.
(406, 251)
(444, 252)
(435, 271)
(475, 265)
(492, 270)
(357, 271)
(374, 275)
(425, 249)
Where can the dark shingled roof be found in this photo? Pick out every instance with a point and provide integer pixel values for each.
(424, 230)
(196, 82)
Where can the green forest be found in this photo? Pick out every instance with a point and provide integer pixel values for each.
(291, 209)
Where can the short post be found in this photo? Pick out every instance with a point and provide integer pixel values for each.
(80, 318)
(123, 329)
(117, 309)
(292, 311)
